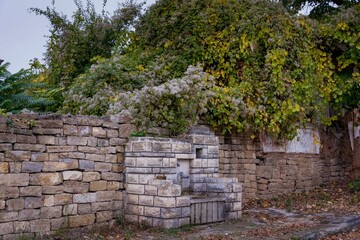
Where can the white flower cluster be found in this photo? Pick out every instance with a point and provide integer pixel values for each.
(175, 104)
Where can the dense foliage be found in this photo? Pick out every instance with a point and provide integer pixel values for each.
(262, 68)
(18, 91)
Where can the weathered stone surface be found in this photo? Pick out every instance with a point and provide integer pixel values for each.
(75, 187)
(113, 186)
(7, 138)
(102, 206)
(6, 228)
(60, 166)
(77, 141)
(21, 227)
(48, 140)
(91, 176)
(84, 208)
(70, 209)
(152, 211)
(5, 147)
(54, 149)
(164, 202)
(32, 167)
(104, 216)
(48, 200)
(95, 157)
(72, 175)
(50, 123)
(2, 204)
(98, 186)
(59, 223)
(8, 216)
(33, 202)
(170, 212)
(39, 157)
(109, 176)
(63, 198)
(9, 192)
(85, 131)
(84, 198)
(103, 196)
(70, 130)
(117, 141)
(14, 179)
(47, 179)
(15, 204)
(99, 132)
(29, 147)
(29, 214)
(51, 212)
(81, 220)
(30, 191)
(126, 129)
(86, 165)
(4, 167)
(47, 131)
(102, 167)
(40, 225)
(18, 155)
(52, 189)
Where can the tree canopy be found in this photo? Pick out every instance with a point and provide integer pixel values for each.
(241, 64)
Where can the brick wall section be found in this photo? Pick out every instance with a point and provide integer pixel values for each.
(60, 171)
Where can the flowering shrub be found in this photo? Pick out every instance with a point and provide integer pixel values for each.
(175, 104)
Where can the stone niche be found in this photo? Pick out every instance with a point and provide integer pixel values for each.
(174, 182)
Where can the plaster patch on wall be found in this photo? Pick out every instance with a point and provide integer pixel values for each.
(307, 141)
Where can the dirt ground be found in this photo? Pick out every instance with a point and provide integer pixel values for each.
(285, 217)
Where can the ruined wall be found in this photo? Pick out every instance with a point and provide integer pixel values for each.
(60, 171)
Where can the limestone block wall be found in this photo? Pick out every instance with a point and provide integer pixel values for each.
(162, 172)
(60, 171)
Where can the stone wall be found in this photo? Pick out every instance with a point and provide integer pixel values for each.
(163, 175)
(59, 172)
(271, 170)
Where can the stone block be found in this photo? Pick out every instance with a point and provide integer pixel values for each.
(6, 228)
(21, 227)
(169, 190)
(109, 176)
(95, 157)
(15, 204)
(134, 209)
(86, 165)
(168, 202)
(32, 167)
(63, 198)
(151, 190)
(103, 196)
(29, 147)
(99, 132)
(112, 133)
(85, 131)
(4, 167)
(77, 141)
(33, 202)
(40, 225)
(149, 162)
(52, 189)
(146, 200)
(146, 178)
(55, 149)
(98, 186)
(48, 140)
(5, 147)
(104, 216)
(81, 220)
(102, 167)
(2, 204)
(181, 148)
(111, 158)
(50, 123)
(60, 166)
(85, 198)
(47, 131)
(118, 168)
(91, 176)
(132, 178)
(39, 157)
(84, 208)
(152, 211)
(70, 130)
(135, 189)
(77, 155)
(103, 143)
(29, 214)
(72, 175)
(7, 138)
(170, 223)
(48, 200)
(14, 179)
(70, 209)
(51, 212)
(170, 212)
(8, 216)
(47, 179)
(183, 201)
(130, 162)
(185, 211)
(125, 130)
(117, 141)
(76, 187)
(25, 139)
(59, 223)
(18, 155)
(101, 206)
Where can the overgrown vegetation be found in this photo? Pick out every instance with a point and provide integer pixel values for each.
(259, 67)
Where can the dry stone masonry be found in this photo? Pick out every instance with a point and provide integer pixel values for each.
(173, 182)
(60, 172)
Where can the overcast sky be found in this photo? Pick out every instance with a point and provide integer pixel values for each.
(22, 34)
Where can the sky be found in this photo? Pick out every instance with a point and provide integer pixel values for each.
(23, 34)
